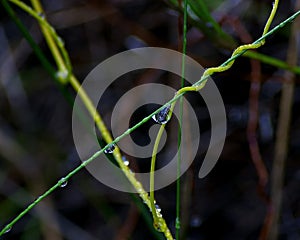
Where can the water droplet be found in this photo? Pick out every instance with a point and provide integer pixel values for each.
(125, 161)
(209, 25)
(110, 149)
(60, 41)
(177, 223)
(158, 226)
(8, 229)
(162, 116)
(42, 15)
(62, 75)
(158, 209)
(195, 221)
(62, 182)
(38, 199)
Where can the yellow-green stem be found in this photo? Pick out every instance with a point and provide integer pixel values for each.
(50, 35)
(50, 41)
(198, 87)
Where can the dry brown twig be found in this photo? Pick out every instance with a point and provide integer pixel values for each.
(282, 133)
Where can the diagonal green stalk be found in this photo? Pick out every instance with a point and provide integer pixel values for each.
(198, 85)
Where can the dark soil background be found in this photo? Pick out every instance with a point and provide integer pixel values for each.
(37, 148)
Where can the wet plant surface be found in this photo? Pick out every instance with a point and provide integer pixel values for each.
(37, 148)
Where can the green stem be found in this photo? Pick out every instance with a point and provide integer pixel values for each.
(223, 40)
(38, 52)
(64, 70)
(272, 61)
(180, 92)
(184, 45)
(50, 40)
(55, 41)
(156, 221)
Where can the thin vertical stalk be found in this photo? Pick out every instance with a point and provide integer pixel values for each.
(178, 189)
(282, 133)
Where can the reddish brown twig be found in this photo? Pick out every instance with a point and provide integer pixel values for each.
(282, 132)
(253, 125)
(253, 109)
(129, 224)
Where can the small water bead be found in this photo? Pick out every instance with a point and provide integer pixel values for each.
(60, 41)
(62, 75)
(158, 209)
(195, 221)
(162, 116)
(125, 161)
(7, 230)
(110, 149)
(159, 226)
(158, 214)
(177, 223)
(38, 199)
(42, 15)
(63, 182)
(209, 25)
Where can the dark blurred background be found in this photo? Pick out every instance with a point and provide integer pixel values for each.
(36, 144)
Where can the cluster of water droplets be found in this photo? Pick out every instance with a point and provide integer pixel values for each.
(159, 225)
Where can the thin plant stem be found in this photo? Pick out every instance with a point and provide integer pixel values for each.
(272, 61)
(282, 133)
(197, 86)
(38, 52)
(50, 40)
(184, 45)
(156, 221)
(54, 40)
(64, 70)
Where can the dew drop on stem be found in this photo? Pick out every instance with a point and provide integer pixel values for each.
(158, 209)
(42, 15)
(110, 149)
(7, 230)
(63, 182)
(162, 116)
(125, 161)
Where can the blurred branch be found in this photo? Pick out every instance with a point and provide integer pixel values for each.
(199, 16)
(253, 109)
(282, 134)
(20, 158)
(129, 224)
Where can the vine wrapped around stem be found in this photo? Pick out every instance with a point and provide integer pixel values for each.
(196, 87)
